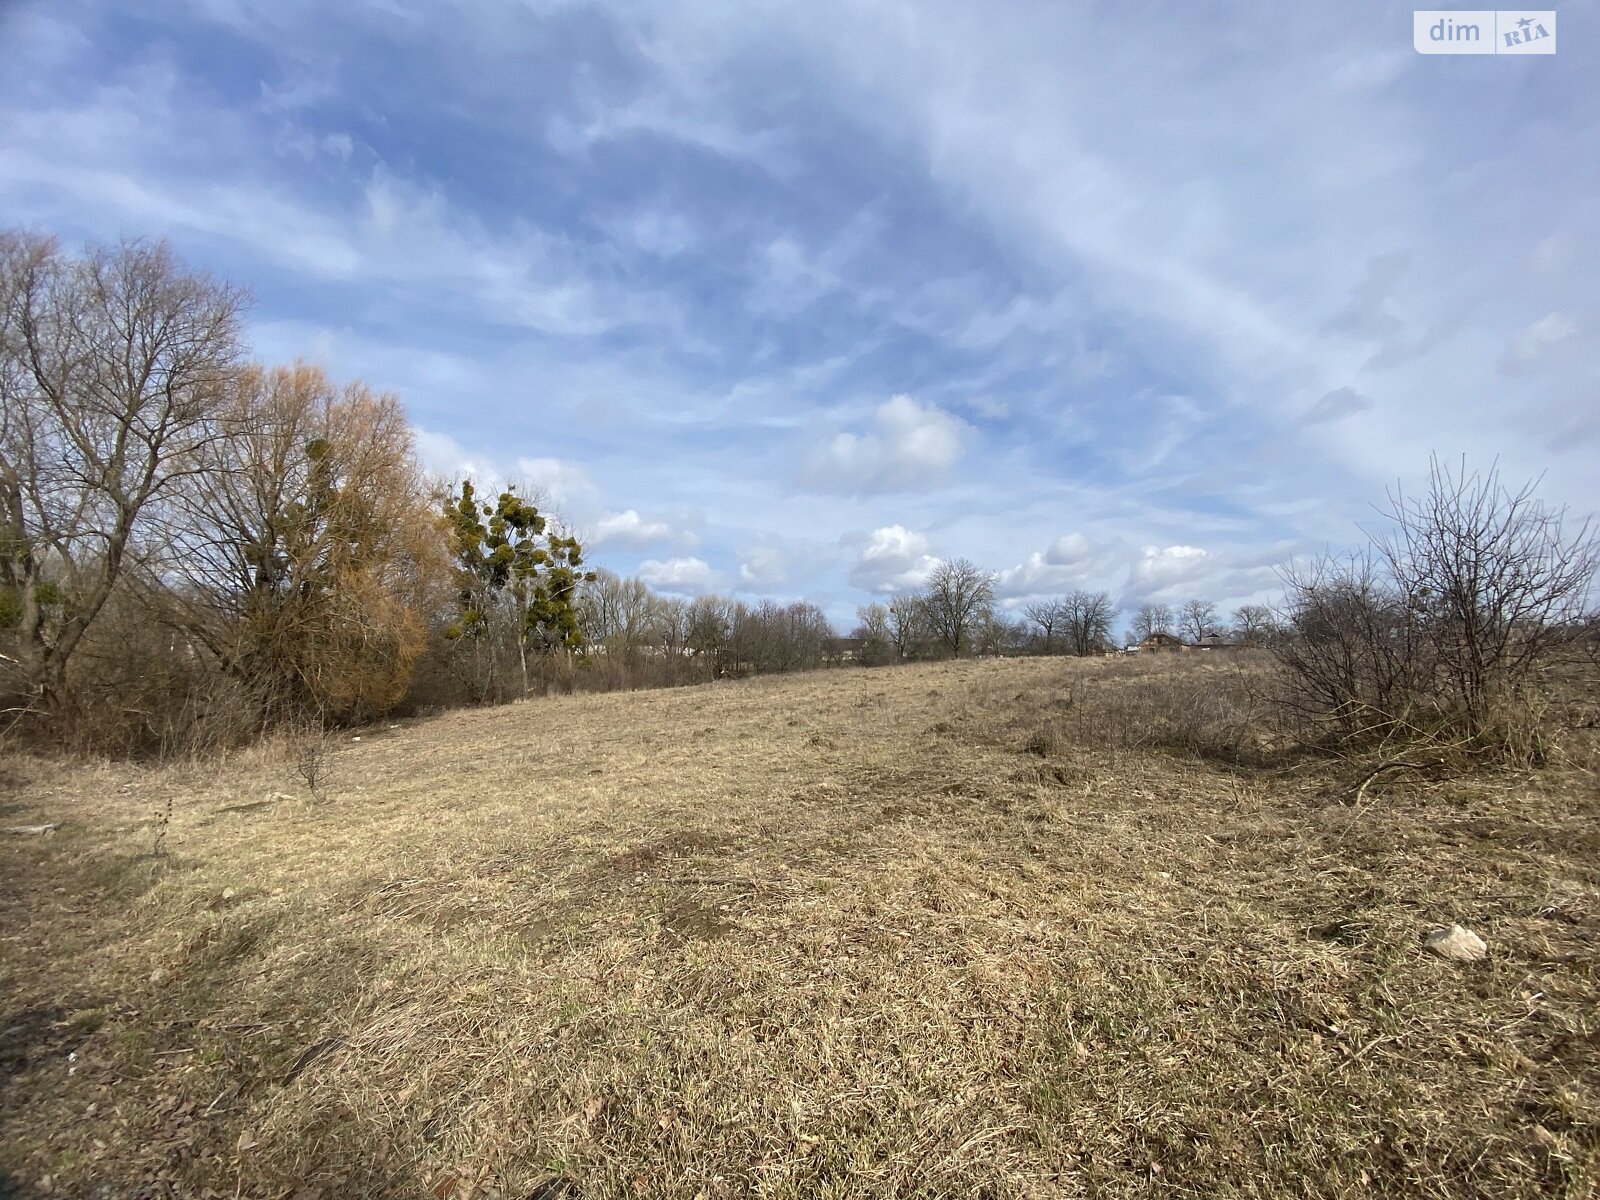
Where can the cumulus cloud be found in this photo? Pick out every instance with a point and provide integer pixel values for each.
(890, 559)
(908, 444)
(1160, 568)
(564, 482)
(628, 528)
(763, 567)
(1064, 565)
(558, 482)
(680, 576)
(1035, 576)
(1067, 549)
(442, 455)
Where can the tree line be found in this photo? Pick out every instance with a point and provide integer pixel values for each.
(195, 548)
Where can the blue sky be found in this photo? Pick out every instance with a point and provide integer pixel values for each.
(790, 300)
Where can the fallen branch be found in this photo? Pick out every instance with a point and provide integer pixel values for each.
(1366, 780)
(33, 830)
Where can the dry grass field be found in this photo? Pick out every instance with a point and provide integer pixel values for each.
(1031, 928)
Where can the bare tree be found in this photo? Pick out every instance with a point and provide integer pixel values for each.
(909, 626)
(1086, 621)
(997, 637)
(1197, 618)
(709, 632)
(1151, 619)
(1252, 624)
(873, 627)
(1047, 615)
(618, 614)
(670, 620)
(1355, 649)
(111, 368)
(957, 596)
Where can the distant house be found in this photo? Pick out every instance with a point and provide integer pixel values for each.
(845, 649)
(1162, 643)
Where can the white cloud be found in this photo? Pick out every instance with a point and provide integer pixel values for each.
(989, 407)
(565, 483)
(1067, 564)
(910, 445)
(1367, 315)
(1160, 568)
(1068, 548)
(763, 567)
(680, 576)
(890, 559)
(1035, 576)
(628, 528)
(442, 455)
(1541, 345)
(659, 231)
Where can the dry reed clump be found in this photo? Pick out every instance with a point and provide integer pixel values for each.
(777, 938)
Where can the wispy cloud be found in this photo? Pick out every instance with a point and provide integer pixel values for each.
(739, 280)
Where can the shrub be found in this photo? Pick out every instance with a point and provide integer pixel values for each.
(1440, 629)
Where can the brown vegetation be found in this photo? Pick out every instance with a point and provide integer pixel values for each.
(1004, 929)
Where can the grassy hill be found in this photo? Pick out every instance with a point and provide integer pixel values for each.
(1003, 929)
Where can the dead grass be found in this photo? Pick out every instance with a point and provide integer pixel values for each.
(955, 930)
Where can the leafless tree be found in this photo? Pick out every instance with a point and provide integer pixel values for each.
(1252, 624)
(1047, 615)
(1152, 618)
(710, 632)
(873, 627)
(909, 626)
(670, 620)
(957, 596)
(620, 615)
(1355, 648)
(772, 637)
(1197, 618)
(994, 635)
(111, 368)
(1086, 619)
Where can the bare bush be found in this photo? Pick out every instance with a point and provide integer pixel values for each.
(1357, 655)
(1440, 629)
(313, 756)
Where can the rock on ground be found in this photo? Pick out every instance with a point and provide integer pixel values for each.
(1458, 944)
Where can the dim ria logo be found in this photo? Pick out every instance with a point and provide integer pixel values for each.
(1459, 31)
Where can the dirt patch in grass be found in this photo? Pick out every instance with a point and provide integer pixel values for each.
(854, 934)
